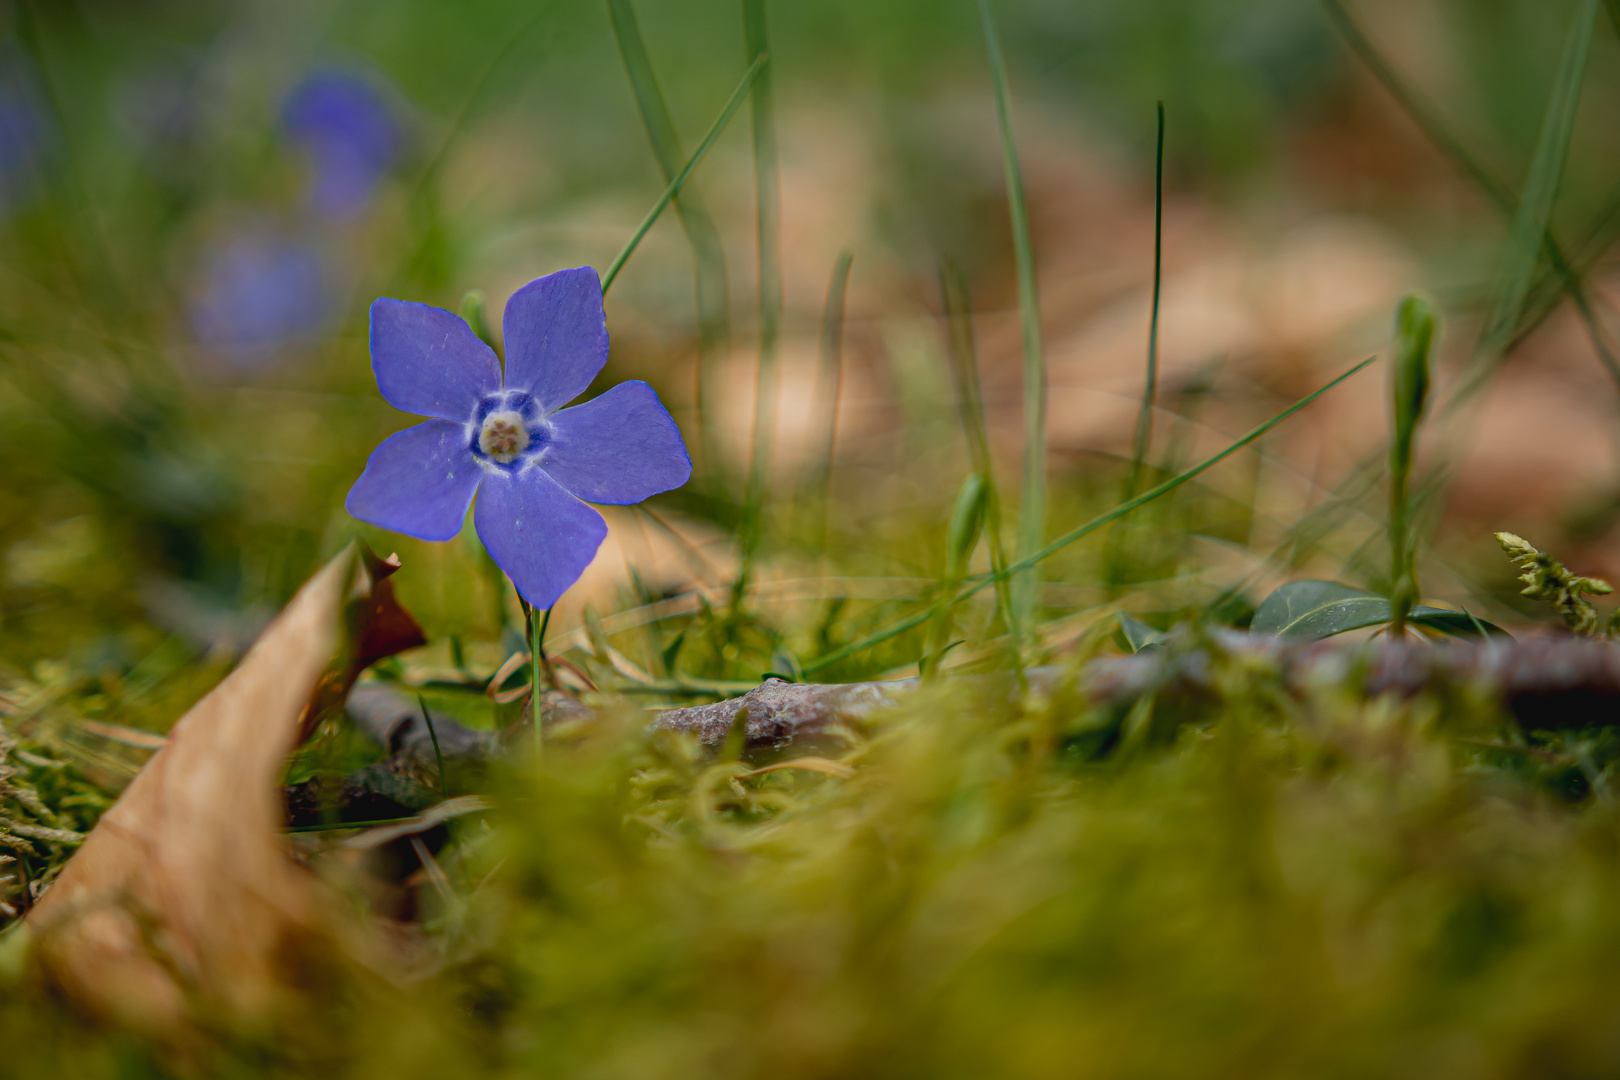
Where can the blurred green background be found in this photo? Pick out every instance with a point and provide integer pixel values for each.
(186, 387)
(198, 201)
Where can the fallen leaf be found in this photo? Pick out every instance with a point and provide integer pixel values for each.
(185, 893)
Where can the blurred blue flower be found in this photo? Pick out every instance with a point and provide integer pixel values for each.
(22, 136)
(262, 292)
(529, 460)
(350, 134)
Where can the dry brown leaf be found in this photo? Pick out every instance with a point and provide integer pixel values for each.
(185, 894)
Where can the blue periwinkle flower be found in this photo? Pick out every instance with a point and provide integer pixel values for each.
(22, 139)
(263, 293)
(530, 461)
(351, 137)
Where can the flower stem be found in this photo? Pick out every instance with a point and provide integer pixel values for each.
(538, 664)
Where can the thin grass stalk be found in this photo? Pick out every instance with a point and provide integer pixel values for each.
(1150, 385)
(708, 254)
(830, 379)
(1112, 559)
(676, 183)
(964, 358)
(767, 200)
(1541, 186)
(1032, 499)
(1492, 186)
(985, 581)
(438, 755)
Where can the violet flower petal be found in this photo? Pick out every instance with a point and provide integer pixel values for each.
(556, 336)
(418, 482)
(428, 361)
(543, 537)
(618, 448)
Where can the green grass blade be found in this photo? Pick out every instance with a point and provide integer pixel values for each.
(830, 378)
(1032, 500)
(1525, 236)
(1427, 120)
(877, 637)
(767, 200)
(672, 192)
(964, 357)
(713, 294)
(1150, 385)
(1494, 188)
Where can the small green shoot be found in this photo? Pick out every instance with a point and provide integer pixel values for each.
(1414, 336)
(961, 537)
(1139, 635)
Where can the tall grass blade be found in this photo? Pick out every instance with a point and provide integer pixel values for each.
(1150, 385)
(1032, 498)
(708, 255)
(1113, 558)
(830, 381)
(1525, 236)
(673, 191)
(767, 199)
(1491, 185)
(964, 357)
(900, 626)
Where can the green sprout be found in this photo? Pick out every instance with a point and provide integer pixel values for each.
(1545, 578)
(1414, 335)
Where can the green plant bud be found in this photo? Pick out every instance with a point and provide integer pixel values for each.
(967, 521)
(1414, 334)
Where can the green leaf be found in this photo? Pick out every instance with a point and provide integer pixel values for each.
(1301, 609)
(1139, 634)
(1311, 609)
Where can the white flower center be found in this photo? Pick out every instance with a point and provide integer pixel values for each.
(504, 437)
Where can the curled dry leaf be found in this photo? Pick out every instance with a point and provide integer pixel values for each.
(185, 893)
